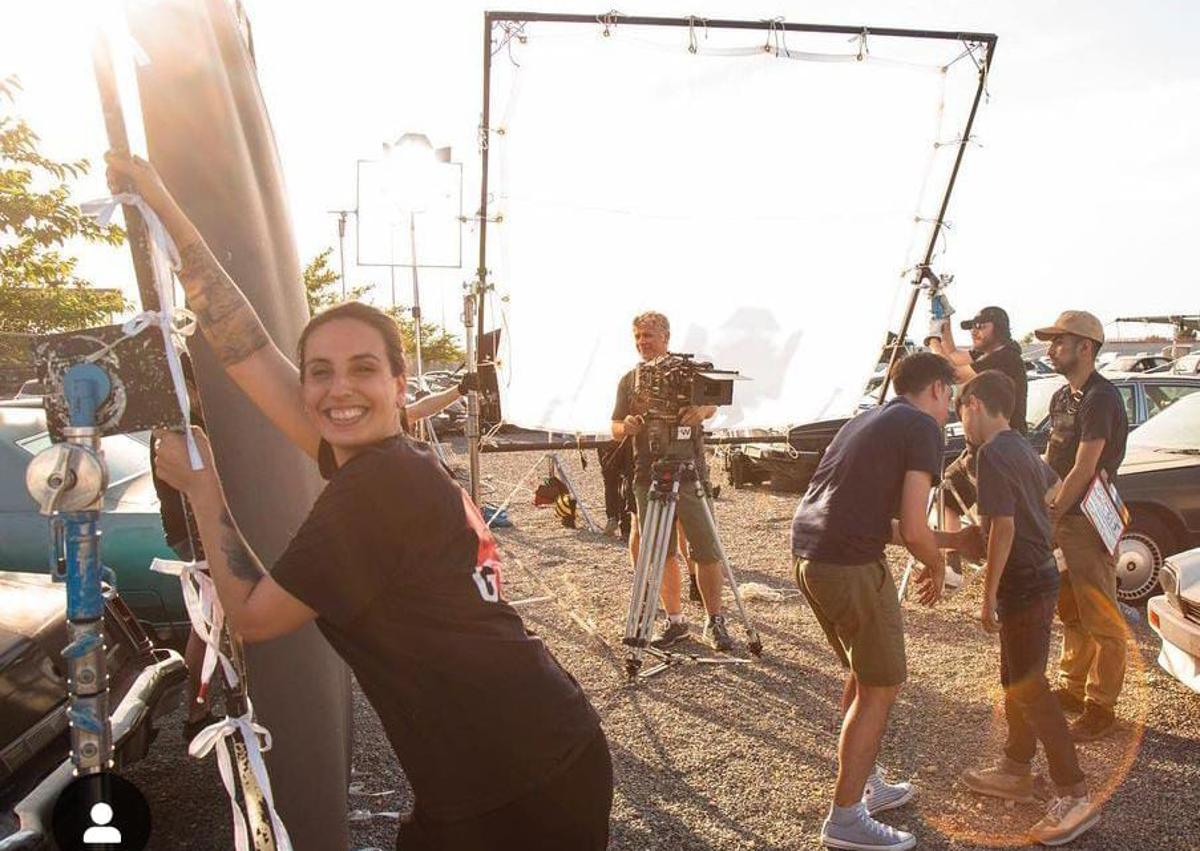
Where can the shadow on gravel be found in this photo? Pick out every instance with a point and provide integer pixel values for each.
(657, 821)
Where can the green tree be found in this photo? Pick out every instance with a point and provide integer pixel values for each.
(322, 289)
(322, 286)
(438, 346)
(39, 289)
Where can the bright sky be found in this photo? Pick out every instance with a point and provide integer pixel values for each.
(1084, 193)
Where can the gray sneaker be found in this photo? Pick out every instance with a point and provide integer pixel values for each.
(880, 796)
(1000, 781)
(1065, 821)
(671, 633)
(863, 833)
(717, 635)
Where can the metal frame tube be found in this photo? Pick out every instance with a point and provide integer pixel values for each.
(719, 23)
(598, 442)
(493, 17)
(984, 68)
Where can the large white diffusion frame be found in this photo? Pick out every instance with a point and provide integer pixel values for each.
(771, 199)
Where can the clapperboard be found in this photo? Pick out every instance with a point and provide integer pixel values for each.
(1102, 505)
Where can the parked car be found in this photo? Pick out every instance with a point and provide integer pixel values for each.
(1144, 395)
(1136, 363)
(1187, 365)
(145, 682)
(1160, 484)
(1156, 498)
(130, 520)
(1038, 367)
(1175, 616)
(32, 389)
(788, 466)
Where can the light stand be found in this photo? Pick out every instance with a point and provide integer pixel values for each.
(341, 226)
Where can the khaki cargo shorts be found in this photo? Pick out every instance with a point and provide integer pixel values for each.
(689, 510)
(859, 609)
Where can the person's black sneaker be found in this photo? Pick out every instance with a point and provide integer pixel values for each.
(1096, 722)
(672, 633)
(717, 635)
(694, 589)
(1069, 702)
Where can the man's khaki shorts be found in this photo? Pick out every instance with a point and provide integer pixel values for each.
(859, 610)
(701, 536)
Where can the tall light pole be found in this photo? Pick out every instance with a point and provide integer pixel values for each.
(341, 225)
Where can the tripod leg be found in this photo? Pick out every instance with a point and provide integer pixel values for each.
(640, 599)
(647, 581)
(659, 558)
(754, 641)
(637, 596)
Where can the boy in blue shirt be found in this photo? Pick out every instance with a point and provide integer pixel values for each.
(1019, 602)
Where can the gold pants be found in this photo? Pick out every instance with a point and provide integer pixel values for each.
(1094, 632)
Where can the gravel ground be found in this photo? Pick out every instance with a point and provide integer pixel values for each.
(742, 756)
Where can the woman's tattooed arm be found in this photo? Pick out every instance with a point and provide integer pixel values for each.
(224, 313)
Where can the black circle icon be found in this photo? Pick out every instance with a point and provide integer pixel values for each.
(101, 812)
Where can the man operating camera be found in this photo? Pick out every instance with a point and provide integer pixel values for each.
(651, 335)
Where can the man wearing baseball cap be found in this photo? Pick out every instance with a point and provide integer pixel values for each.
(992, 347)
(1088, 427)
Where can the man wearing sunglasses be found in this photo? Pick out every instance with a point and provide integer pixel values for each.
(1088, 428)
(992, 347)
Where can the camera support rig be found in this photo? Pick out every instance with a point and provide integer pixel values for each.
(670, 477)
(68, 481)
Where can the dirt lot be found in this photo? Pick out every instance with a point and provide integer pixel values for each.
(742, 756)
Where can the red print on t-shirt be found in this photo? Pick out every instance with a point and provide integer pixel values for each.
(487, 559)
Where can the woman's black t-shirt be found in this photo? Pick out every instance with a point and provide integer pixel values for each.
(406, 580)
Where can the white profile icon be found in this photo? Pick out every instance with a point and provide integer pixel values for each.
(102, 833)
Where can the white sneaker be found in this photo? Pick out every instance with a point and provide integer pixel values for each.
(1065, 821)
(880, 796)
(865, 834)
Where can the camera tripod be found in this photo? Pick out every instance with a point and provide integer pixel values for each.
(669, 477)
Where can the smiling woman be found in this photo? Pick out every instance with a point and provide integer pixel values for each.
(402, 576)
(352, 371)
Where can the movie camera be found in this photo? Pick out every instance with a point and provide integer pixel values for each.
(664, 387)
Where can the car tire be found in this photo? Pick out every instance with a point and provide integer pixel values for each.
(1144, 546)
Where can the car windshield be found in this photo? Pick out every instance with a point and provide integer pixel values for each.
(1038, 405)
(1177, 429)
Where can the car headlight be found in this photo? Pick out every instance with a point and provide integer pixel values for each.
(1169, 580)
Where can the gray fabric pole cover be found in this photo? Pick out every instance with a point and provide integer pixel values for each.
(209, 135)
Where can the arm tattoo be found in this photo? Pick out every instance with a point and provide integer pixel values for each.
(242, 562)
(226, 317)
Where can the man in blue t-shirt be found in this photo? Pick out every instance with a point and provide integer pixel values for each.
(1019, 601)
(881, 465)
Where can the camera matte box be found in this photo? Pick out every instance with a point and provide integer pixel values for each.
(142, 395)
